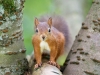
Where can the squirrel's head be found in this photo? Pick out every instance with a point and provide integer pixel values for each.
(43, 29)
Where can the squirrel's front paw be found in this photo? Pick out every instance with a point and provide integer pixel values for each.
(37, 65)
(54, 64)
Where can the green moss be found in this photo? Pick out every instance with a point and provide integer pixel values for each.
(9, 6)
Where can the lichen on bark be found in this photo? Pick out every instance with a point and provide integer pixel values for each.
(12, 50)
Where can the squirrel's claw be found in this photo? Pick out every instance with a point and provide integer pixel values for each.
(37, 65)
(54, 64)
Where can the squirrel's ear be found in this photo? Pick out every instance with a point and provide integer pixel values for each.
(50, 21)
(36, 22)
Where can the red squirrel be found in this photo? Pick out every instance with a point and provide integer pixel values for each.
(51, 36)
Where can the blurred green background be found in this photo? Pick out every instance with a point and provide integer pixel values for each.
(36, 8)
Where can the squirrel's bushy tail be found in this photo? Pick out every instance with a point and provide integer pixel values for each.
(60, 24)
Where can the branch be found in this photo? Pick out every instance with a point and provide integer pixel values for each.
(45, 69)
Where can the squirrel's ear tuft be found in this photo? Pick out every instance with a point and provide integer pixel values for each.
(36, 22)
(50, 21)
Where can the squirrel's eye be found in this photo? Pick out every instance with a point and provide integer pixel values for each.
(36, 30)
(49, 30)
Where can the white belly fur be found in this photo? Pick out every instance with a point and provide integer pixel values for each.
(44, 47)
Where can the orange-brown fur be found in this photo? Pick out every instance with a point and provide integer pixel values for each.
(55, 39)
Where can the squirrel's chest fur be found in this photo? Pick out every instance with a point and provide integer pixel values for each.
(44, 47)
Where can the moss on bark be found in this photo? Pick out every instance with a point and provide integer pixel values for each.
(9, 6)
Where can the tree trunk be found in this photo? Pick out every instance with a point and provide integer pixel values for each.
(84, 58)
(12, 50)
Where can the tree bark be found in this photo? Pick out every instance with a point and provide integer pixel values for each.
(12, 50)
(84, 58)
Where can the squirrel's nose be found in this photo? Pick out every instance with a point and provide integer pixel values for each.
(43, 37)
